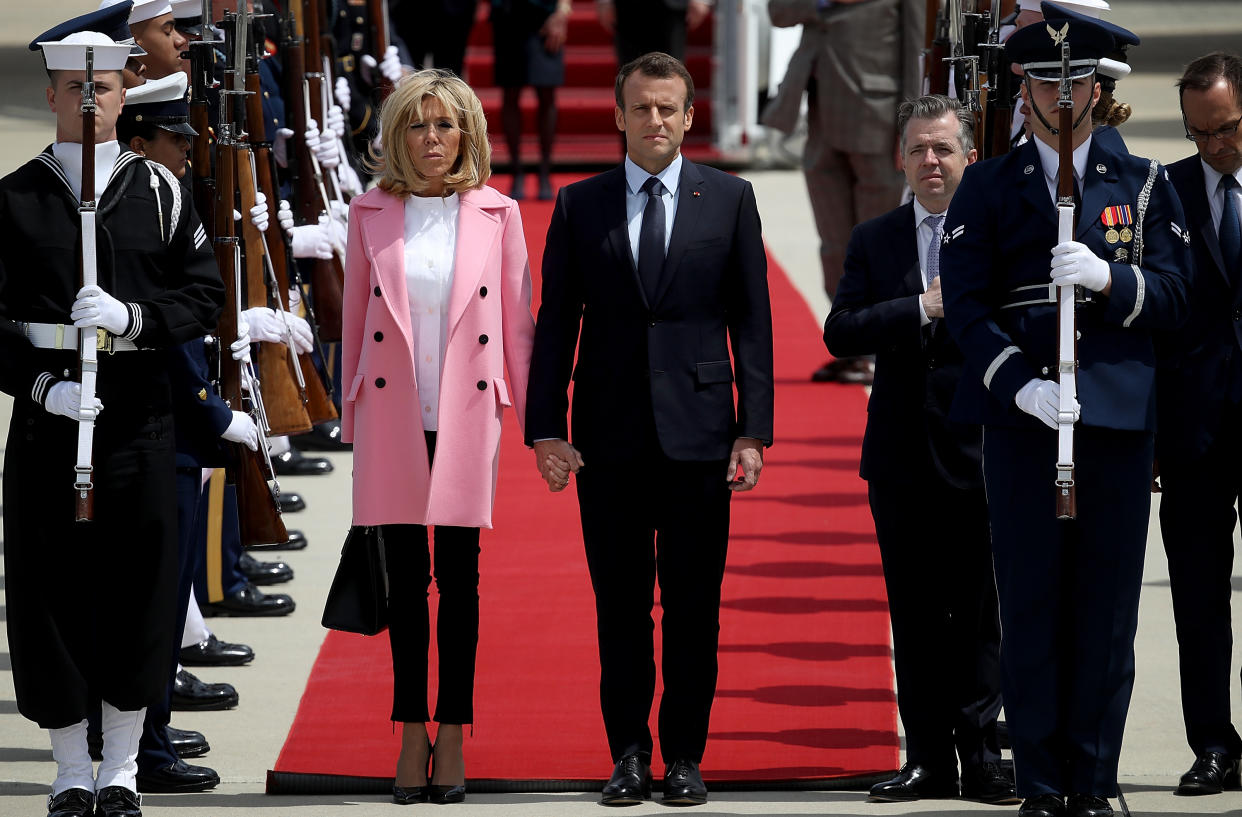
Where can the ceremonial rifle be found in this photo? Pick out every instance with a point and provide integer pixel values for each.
(258, 512)
(997, 120)
(936, 64)
(377, 14)
(84, 505)
(1067, 333)
(277, 255)
(202, 55)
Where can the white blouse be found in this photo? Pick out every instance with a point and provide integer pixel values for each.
(430, 249)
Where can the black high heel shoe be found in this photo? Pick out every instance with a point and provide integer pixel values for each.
(444, 795)
(405, 796)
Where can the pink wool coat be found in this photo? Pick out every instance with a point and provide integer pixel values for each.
(491, 330)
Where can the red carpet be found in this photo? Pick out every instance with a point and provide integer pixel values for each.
(805, 691)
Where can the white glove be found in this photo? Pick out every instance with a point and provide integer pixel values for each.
(390, 65)
(285, 216)
(343, 96)
(280, 146)
(1074, 263)
(303, 338)
(312, 241)
(321, 144)
(265, 325)
(1042, 400)
(335, 121)
(65, 399)
(350, 184)
(242, 430)
(258, 214)
(94, 307)
(240, 348)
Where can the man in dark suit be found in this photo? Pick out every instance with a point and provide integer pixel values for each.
(924, 474)
(1068, 587)
(642, 26)
(654, 272)
(1199, 442)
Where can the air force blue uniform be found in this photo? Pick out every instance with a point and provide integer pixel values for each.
(1068, 589)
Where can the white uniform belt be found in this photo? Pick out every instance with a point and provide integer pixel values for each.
(1037, 294)
(65, 336)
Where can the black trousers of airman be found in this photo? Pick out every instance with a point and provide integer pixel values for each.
(1069, 593)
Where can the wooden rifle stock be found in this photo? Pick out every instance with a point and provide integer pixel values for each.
(377, 13)
(936, 68)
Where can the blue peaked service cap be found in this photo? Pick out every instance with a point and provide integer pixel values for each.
(1037, 47)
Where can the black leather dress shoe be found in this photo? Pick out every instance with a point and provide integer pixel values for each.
(1211, 773)
(293, 464)
(296, 541)
(264, 573)
(192, 695)
(1087, 805)
(1045, 805)
(683, 785)
(860, 370)
(403, 796)
(445, 795)
(249, 601)
(989, 783)
(914, 782)
(177, 777)
(630, 783)
(187, 742)
(290, 503)
(216, 653)
(323, 437)
(117, 801)
(71, 803)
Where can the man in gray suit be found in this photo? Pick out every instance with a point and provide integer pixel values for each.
(857, 61)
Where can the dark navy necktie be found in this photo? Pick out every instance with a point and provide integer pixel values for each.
(651, 238)
(1230, 230)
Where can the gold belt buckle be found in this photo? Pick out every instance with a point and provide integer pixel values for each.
(103, 340)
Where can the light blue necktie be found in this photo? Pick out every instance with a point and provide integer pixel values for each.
(933, 250)
(1230, 231)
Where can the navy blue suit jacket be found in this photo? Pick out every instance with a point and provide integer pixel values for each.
(1202, 358)
(917, 368)
(667, 361)
(999, 233)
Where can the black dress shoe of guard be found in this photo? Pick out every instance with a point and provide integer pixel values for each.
(71, 803)
(192, 695)
(1212, 773)
(264, 573)
(290, 503)
(1087, 805)
(296, 541)
(630, 783)
(404, 796)
(187, 742)
(445, 795)
(177, 777)
(989, 783)
(915, 782)
(249, 601)
(1044, 805)
(293, 464)
(117, 801)
(323, 437)
(216, 653)
(683, 785)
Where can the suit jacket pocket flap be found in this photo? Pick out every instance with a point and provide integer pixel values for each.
(716, 371)
(502, 391)
(353, 387)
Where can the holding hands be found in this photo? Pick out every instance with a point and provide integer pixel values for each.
(556, 459)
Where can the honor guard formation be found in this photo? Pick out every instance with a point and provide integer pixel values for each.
(265, 229)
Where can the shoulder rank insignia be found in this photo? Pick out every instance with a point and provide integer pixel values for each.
(202, 394)
(956, 232)
(1181, 233)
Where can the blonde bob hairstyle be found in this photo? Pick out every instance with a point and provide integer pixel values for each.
(393, 164)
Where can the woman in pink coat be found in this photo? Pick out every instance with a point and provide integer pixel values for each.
(436, 314)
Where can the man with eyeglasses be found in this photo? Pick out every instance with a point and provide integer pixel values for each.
(1199, 394)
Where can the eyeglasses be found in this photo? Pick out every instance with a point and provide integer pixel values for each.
(1202, 137)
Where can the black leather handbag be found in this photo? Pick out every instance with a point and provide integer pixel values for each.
(358, 599)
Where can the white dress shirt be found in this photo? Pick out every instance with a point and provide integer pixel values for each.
(69, 154)
(1051, 160)
(430, 251)
(636, 199)
(1216, 196)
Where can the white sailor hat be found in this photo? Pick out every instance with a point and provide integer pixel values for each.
(69, 54)
(1087, 8)
(143, 9)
